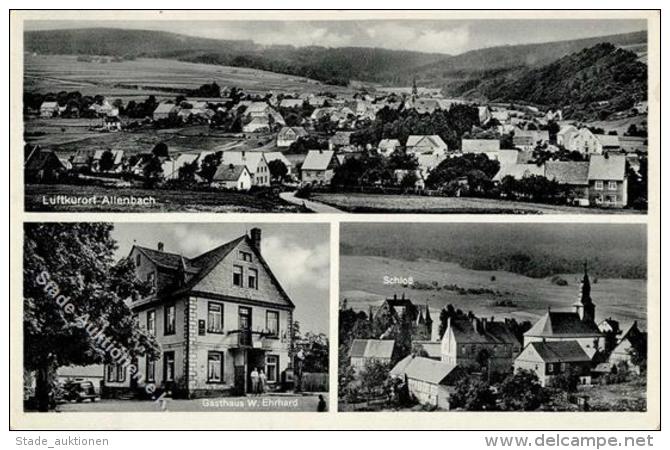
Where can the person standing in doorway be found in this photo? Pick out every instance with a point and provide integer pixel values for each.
(254, 381)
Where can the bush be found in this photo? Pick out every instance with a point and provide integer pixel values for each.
(304, 192)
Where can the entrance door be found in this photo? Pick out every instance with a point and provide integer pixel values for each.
(255, 360)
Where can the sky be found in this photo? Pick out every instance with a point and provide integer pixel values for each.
(299, 255)
(438, 36)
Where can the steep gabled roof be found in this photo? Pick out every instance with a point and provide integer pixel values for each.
(560, 351)
(428, 370)
(568, 172)
(491, 332)
(229, 172)
(480, 145)
(562, 324)
(318, 160)
(372, 348)
(607, 167)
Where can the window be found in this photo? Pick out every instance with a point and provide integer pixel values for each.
(168, 366)
(151, 279)
(151, 322)
(272, 323)
(215, 318)
(116, 373)
(272, 368)
(612, 185)
(245, 256)
(170, 322)
(550, 368)
(138, 260)
(237, 276)
(215, 367)
(151, 371)
(253, 279)
(599, 185)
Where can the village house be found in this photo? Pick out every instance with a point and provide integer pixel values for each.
(216, 317)
(49, 109)
(116, 164)
(386, 147)
(291, 103)
(484, 114)
(632, 340)
(529, 139)
(231, 176)
(266, 113)
(551, 359)
(365, 351)
(572, 174)
(111, 123)
(471, 341)
(426, 144)
(104, 109)
(430, 382)
(339, 140)
(608, 183)
(318, 167)
(578, 326)
(165, 110)
(488, 147)
(42, 166)
(171, 166)
(255, 162)
(289, 135)
(256, 125)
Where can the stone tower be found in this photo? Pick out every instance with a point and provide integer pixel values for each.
(584, 306)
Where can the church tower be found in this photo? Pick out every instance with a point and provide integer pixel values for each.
(415, 90)
(584, 306)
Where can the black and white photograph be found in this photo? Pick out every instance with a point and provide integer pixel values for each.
(509, 116)
(492, 317)
(134, 317)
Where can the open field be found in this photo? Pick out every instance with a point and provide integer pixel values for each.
(67, 136)
(414, 204)
(132, 80)
(361, 283)
(165, 200)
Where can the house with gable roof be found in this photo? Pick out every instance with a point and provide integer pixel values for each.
(608, 183)
(216, 317)
(551, 359)
(364, 351)
(319, 167)
(255, 162)
(488, 147)
(431, 382)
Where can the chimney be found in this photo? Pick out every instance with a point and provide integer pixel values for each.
(256, 238)
(161, 246)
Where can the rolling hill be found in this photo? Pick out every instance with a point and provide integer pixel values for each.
(457, 74)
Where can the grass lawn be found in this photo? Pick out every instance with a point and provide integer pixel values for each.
(607, 397)
(414, 204)
(165, 200)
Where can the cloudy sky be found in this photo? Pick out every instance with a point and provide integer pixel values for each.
(299, 255)
(440, 36)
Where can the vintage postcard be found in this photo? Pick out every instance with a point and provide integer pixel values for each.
(335, 219)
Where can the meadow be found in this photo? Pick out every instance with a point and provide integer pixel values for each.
(136, 79)
(417, 204)
(362, 284)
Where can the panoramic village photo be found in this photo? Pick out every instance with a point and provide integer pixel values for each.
(513, 116)
(492, 317)
(133, 317)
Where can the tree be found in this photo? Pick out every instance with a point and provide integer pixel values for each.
(152, 171)
(161, 150)
(567, 380)
(373, 377)
(210, 164)
(473, 395)
(409, 180)
(106, 161)
(188, 171)
(278, 169)
(74, 299)
(522, 391)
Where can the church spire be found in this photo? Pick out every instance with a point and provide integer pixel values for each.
(586, 308)
(415, 90)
